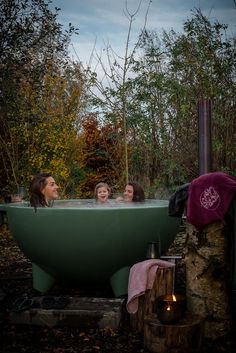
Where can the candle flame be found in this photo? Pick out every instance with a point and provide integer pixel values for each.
(173, 298)
(168, 308)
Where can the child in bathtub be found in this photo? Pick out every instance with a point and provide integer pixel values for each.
(102, 192)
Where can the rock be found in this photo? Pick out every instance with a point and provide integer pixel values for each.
(80, 312)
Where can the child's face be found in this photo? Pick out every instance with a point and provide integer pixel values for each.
(102, 194)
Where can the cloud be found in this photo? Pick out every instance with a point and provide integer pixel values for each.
(105, 22)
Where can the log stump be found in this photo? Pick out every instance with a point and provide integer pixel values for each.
(184, 337)
(163, 284)
(207, 273)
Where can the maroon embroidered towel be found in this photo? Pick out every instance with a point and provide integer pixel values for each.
(209, 198)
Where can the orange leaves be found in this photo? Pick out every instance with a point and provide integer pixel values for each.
(98, 154)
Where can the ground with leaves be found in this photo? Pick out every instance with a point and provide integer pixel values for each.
(15, 280)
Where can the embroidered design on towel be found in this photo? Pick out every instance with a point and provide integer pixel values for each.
(210, 199)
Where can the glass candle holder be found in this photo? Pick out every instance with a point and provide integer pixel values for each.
(171, 308)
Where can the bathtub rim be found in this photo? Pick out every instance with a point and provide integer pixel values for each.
(148, 203)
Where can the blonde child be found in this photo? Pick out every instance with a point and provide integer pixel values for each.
(102, 192)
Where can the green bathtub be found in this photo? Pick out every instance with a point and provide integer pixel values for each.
(78, 241)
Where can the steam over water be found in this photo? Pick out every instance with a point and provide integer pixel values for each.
(91, 203)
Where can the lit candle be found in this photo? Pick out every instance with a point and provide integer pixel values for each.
(170, 308)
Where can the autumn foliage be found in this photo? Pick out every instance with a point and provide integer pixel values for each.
(99, 155)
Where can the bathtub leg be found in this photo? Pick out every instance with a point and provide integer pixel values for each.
(119, 282)
(42, 281)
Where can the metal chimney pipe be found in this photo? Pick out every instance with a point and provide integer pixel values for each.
(204, 136)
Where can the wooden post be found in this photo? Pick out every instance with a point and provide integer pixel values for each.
(163, 284)
(184, 337)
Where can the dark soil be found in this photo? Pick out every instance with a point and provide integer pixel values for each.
(16, 280)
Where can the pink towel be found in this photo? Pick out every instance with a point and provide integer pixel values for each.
(141, 278)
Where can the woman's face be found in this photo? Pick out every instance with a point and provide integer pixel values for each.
(50, 191)
(129, 193)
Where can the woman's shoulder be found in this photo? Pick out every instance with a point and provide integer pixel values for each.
(119, 199)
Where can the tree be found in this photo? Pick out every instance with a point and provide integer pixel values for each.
(161, 93)
(113, 99)
(99, 153)
(170, 77)
(203, 62)
(48, 129)
(32, 46)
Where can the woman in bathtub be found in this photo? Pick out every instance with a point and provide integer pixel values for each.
(43, 190)
(133, 193)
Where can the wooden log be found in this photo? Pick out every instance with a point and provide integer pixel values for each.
(183, 337)
(205, 257)
(163, 284)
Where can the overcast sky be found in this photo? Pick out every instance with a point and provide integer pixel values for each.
(104, 21)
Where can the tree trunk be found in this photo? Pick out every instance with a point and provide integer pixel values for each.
(163, 284)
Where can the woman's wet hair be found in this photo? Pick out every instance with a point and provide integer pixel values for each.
(138, 195)
(36, 197)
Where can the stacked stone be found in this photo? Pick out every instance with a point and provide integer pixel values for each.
(204, 255)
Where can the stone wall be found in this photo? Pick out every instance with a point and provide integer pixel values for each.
(204, 258)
